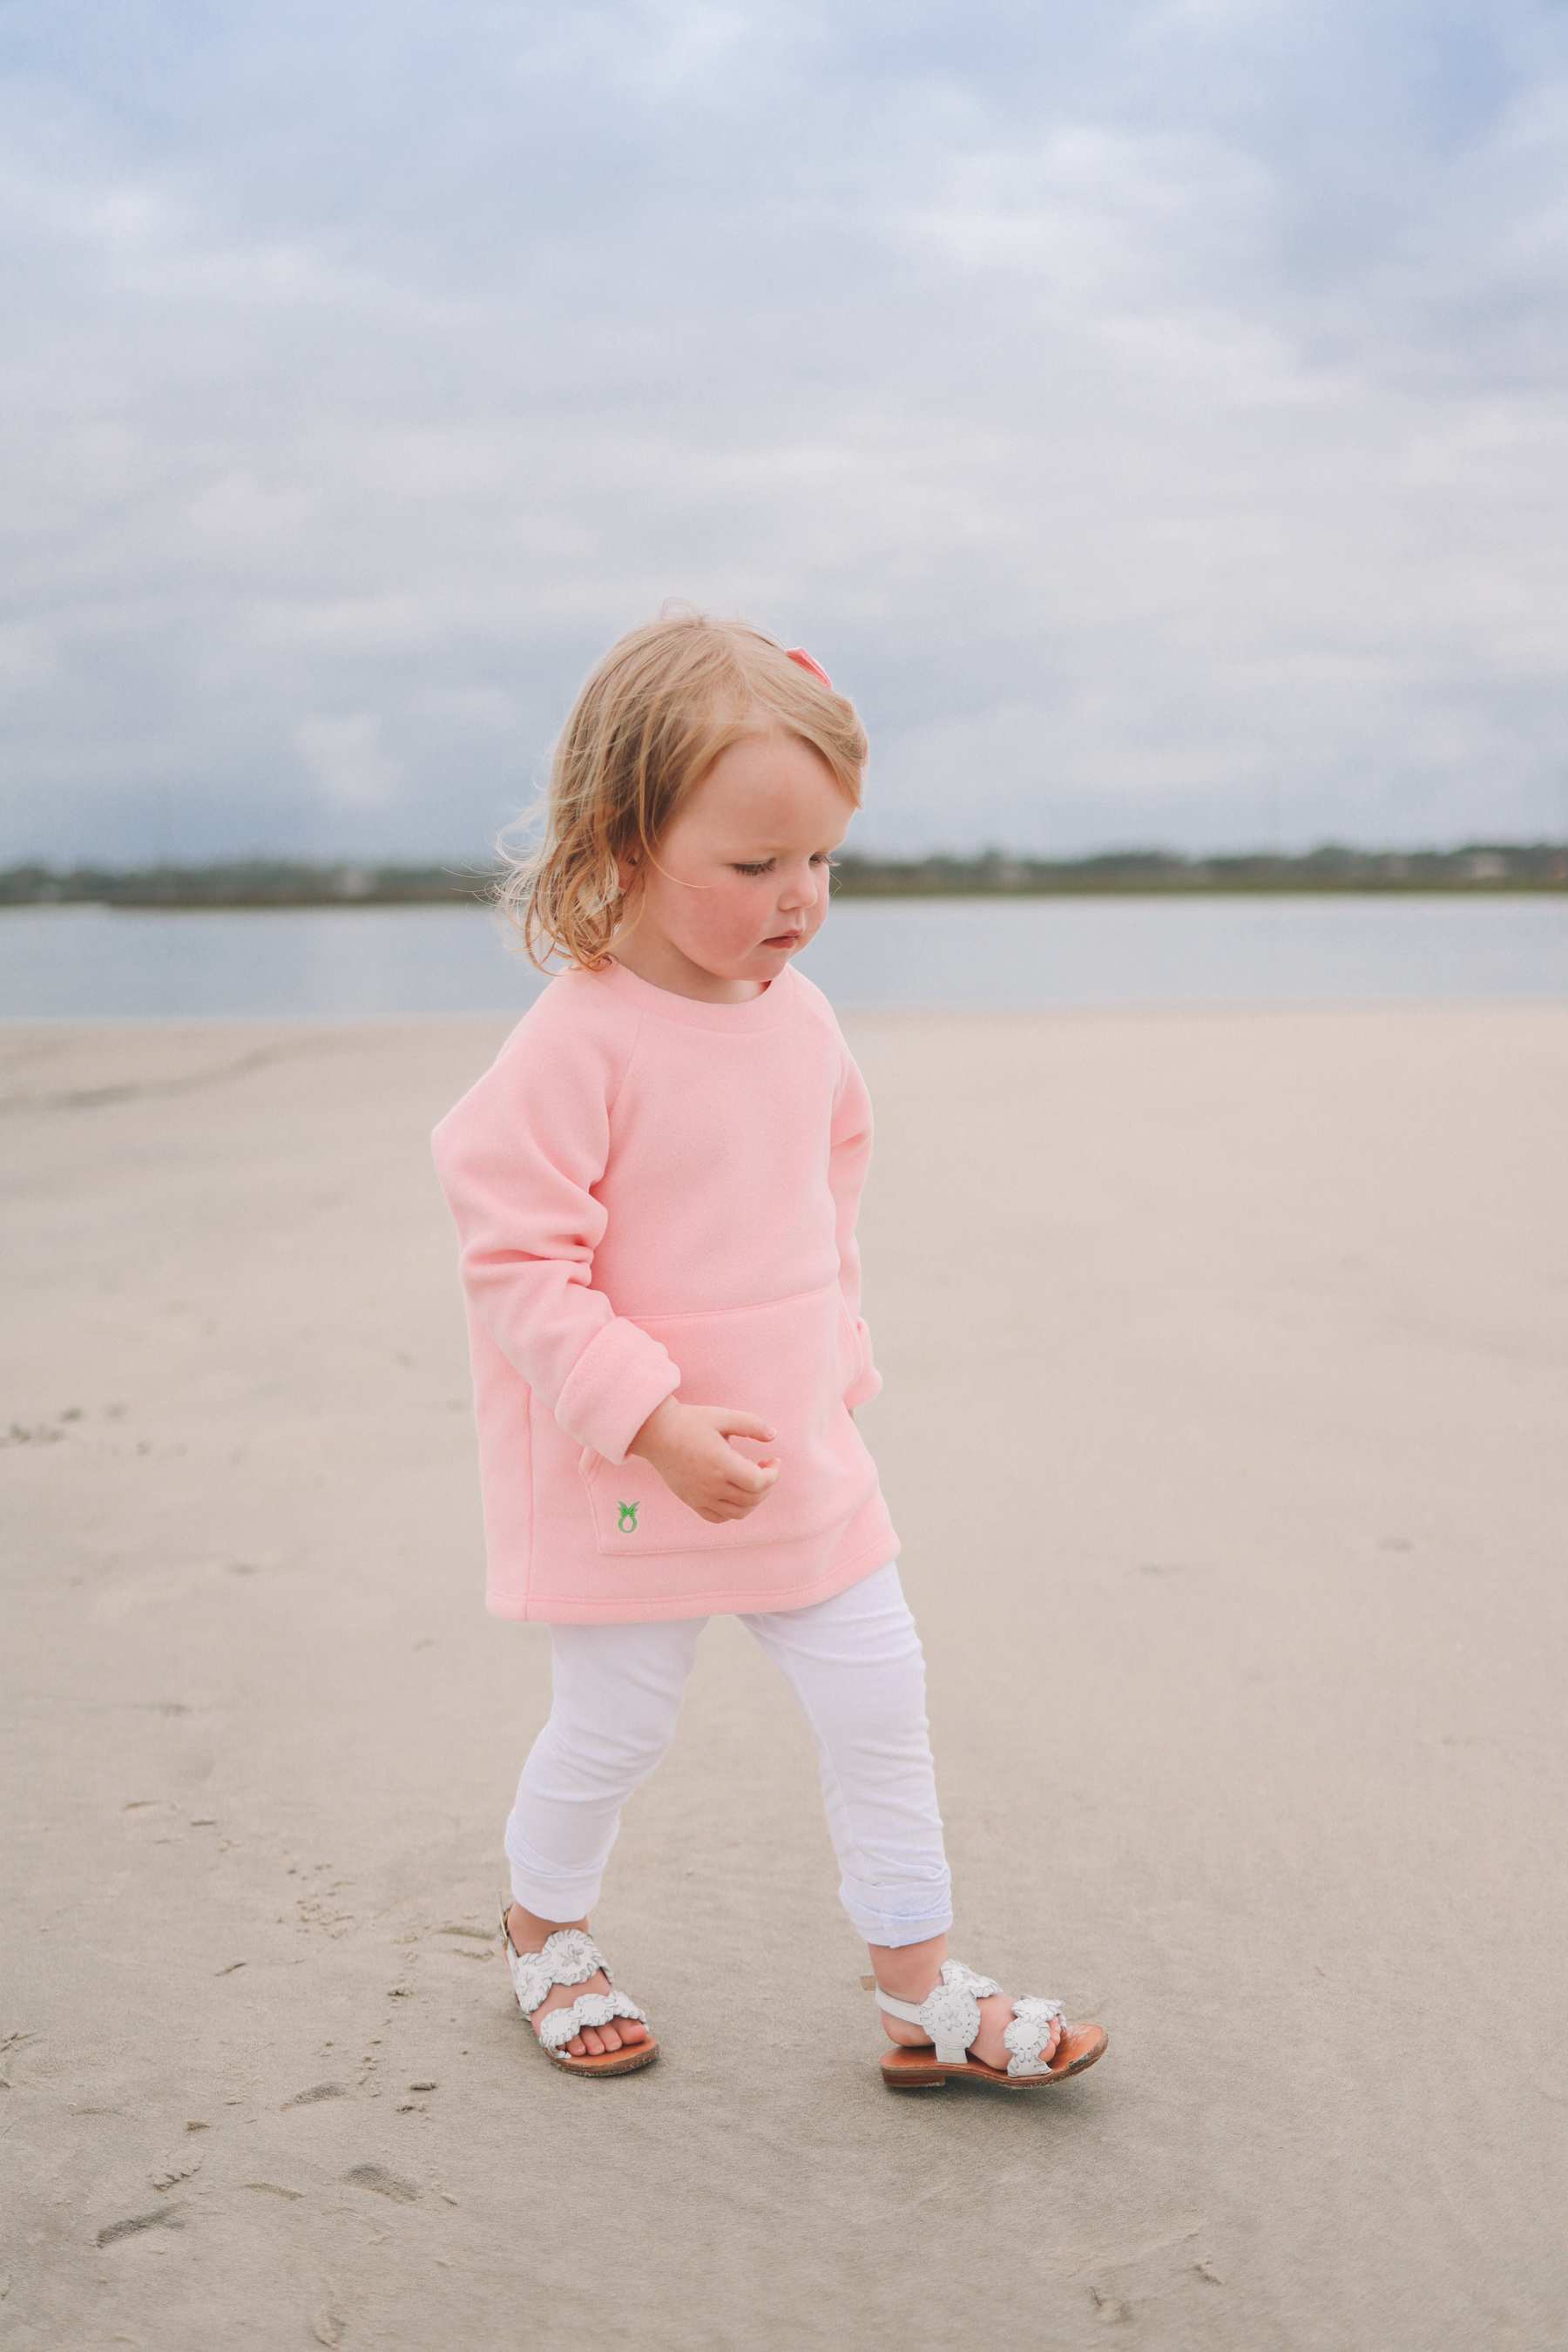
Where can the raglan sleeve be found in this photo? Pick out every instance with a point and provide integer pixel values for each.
(849, 1156)
(518, 1159)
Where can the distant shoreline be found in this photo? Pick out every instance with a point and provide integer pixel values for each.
(1478, 869)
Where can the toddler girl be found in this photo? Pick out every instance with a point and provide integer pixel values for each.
(656, 1189)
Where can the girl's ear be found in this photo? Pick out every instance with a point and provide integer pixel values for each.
(626, 871)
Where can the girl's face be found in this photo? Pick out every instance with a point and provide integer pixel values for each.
(741, 879)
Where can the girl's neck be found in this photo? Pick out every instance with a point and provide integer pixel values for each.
(662, 965)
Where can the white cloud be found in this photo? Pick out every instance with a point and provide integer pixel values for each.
(346, 759)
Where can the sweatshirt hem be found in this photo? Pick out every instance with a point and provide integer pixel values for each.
(576, 1608)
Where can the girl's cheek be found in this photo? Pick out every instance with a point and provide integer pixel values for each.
(735, 918)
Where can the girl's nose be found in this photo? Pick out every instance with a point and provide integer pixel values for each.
(798, 889)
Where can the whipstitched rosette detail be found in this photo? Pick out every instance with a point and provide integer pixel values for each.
(563, 2025)
(570, 1957)
(1030, 2032)
(950, 2015)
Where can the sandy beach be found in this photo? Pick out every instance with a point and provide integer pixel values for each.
(1225, 1430)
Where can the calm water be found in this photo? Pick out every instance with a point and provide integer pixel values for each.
(87, 962)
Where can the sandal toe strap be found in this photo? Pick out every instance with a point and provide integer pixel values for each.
(563, 2025)
(1029, 2033)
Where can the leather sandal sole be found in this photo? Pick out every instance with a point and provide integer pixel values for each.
(918, 2069)
(628, 2060)
(624, 2061)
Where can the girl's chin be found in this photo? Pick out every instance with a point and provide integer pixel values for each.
(763, 962)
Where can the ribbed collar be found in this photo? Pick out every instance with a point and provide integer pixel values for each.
(764, 1012)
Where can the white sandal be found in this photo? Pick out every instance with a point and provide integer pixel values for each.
(570, 1958)
(949, 2018)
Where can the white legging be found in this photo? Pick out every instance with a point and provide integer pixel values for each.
(854, 1664)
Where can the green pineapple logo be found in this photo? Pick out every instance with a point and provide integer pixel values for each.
(628, 1512)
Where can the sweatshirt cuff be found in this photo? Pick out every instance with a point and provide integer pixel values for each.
(617, 1381)
(868, 1382)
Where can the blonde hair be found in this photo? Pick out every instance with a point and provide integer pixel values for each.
(661, 707)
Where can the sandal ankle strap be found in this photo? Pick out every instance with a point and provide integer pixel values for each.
(950, 2017)
(950, 2014)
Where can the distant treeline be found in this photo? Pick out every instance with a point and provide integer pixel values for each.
(1480, 866)
(246, 882)
(281, 882)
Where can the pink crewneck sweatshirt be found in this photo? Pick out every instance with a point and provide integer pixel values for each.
(652, 1195)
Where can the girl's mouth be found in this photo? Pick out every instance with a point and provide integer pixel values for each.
(784, 939)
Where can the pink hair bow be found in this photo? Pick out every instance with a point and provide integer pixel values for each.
(798, 654)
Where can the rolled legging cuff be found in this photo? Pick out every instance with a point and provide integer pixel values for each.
(557, 1895)
(895, 1929)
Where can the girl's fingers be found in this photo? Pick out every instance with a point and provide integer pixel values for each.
(744, 1424)
(750, 1494)
(741, 1491)
(742, 1477)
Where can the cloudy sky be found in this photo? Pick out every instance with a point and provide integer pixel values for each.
(1155, 416)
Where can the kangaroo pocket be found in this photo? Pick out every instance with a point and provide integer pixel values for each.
(789, 1363)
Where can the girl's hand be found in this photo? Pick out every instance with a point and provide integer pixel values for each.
(688, 1445)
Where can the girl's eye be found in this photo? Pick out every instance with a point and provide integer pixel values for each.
(766, 865)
